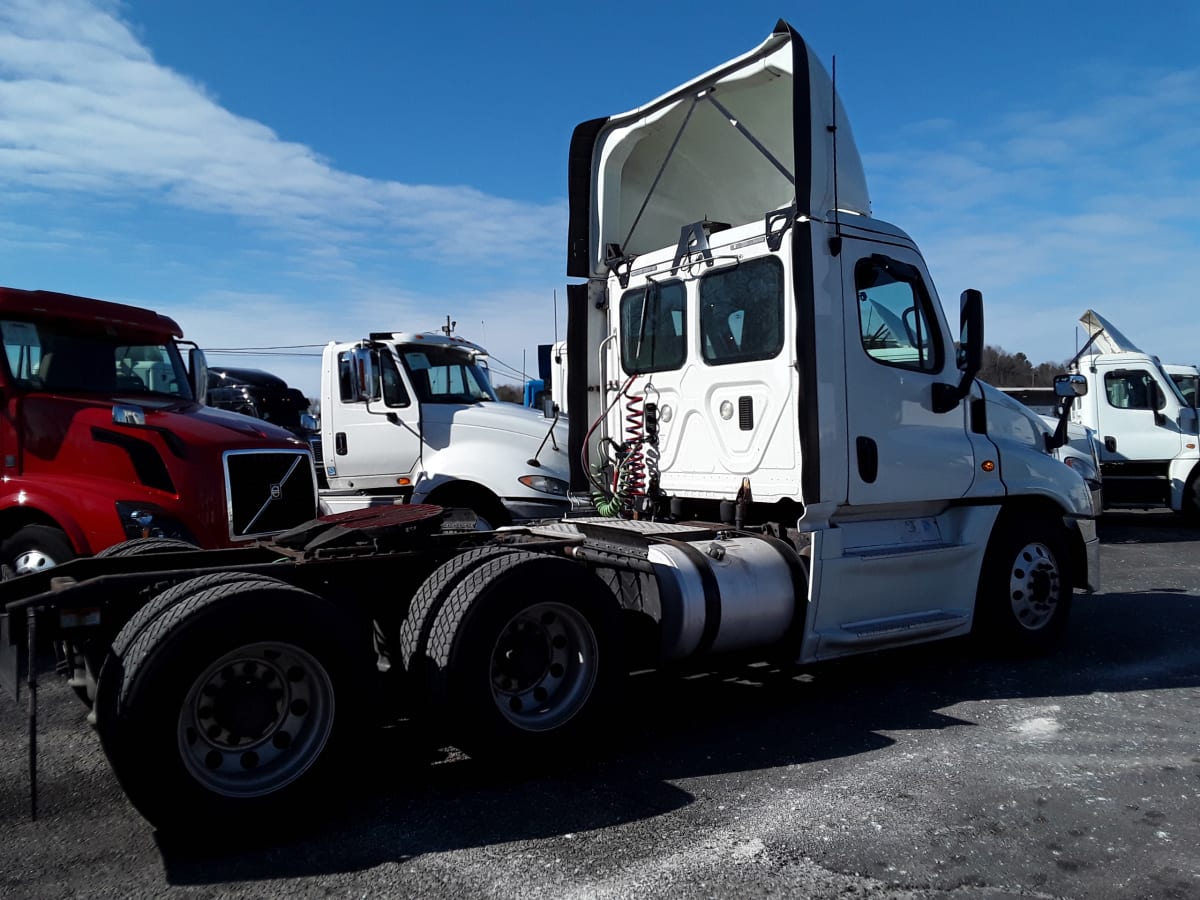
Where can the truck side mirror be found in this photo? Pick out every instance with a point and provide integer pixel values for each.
(970, 353)
(970, 316)
(1158, 395)
(1070, 385)
(198, 370)
(363, 375)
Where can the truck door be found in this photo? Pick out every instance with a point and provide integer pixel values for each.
(900, 450)
(1138, 433)
(371, 444)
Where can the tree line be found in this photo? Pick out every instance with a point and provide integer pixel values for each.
(1003, 369)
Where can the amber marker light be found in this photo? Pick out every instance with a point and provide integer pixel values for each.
(404, 482)
(987, 465)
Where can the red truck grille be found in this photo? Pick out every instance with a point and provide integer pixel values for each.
(268, 491)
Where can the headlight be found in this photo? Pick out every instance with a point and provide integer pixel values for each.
(1083, 466)
(143, 520)
(544, 484)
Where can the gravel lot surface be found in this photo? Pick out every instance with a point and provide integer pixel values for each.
(922, 773)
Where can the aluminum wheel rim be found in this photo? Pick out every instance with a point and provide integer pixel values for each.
(1033, 586)
(256, 719)
(543, 666)
(33, 560)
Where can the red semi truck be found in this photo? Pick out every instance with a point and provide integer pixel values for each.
(104, 438)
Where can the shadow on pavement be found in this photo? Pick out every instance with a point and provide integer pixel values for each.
(742, 718)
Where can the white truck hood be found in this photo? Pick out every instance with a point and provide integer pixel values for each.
(502, 417)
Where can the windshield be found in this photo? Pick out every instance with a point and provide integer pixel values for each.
(53, 356)
(446, 375)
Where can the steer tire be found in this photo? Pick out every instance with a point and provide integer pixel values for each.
(35, 548)
(524, 659)
(1025, 586)
(234, 708)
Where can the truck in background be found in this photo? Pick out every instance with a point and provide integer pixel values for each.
(1147, 431)
(1041, 409)
(253, 392)
(552, 378)
(413, 418)
(1187, 379)
(794, 460)
(105, 437)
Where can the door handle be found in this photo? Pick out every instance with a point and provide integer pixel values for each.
(339, 443)
(1110, 443)
(868, 459)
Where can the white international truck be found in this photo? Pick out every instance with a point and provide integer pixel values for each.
(795, 459)
(412, 418)
(1147, 431)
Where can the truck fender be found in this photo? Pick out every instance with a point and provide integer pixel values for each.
(1185, 486)
(25, 507)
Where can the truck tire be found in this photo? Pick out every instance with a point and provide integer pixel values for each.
(84, 683)
(233, 707)
(427, 602)
(1191, 499)
(147, 545)
(524, 659)
(1025, 586)
(36, 547)
(111, 674)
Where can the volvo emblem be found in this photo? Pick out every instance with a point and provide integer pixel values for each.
(276, 491)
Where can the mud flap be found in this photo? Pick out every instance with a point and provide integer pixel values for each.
(10, 660)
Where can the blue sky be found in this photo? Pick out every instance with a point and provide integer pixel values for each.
(281, 173)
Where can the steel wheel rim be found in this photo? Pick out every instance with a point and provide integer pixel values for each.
(279, 696)
(543, 666)
(33, 560)
(1034, 587)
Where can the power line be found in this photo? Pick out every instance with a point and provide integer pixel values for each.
(255, 349)
(261, 353)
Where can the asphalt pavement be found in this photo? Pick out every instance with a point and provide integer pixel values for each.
(928, 772)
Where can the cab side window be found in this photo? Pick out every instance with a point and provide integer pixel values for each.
(895, 315)
(654, 328)
(1132, 389)
(741, 312)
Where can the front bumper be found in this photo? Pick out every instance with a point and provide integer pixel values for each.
(1090, 557)
(527, 510)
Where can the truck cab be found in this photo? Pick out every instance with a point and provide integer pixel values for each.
(1147, 431)
(753, 345)
(412, 417)
(105, 437)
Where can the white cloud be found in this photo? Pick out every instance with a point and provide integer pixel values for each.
(1089, 200)
(84, 107)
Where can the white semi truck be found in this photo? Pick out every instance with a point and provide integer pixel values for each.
(795, 461)
(412, 418)
(1148, 433)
